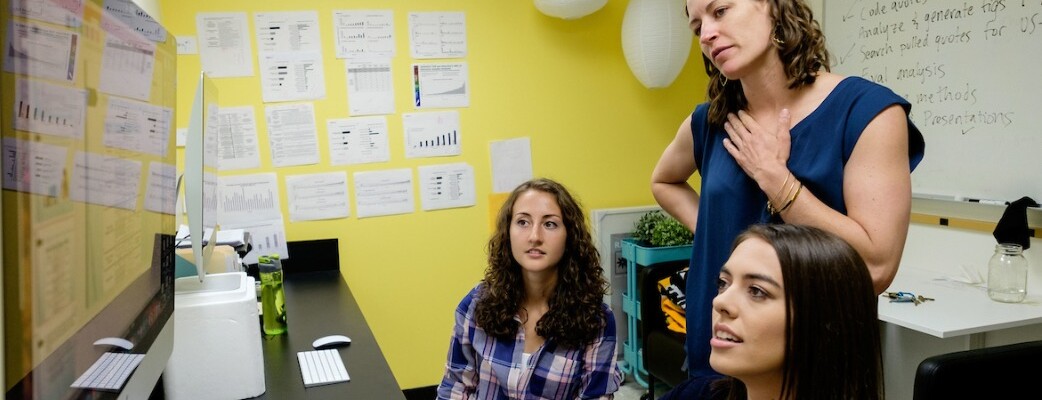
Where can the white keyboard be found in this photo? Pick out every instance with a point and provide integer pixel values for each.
(322, 367)
(110, 372)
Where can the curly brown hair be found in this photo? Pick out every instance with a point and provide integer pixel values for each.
(575, 317)
(800, 44)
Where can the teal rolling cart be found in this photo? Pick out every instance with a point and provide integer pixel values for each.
(636, 257)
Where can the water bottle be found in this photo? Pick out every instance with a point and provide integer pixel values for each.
(1008, 274)
(273, 298)
(275, 259)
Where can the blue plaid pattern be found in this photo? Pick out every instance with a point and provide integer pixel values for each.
(484, 368)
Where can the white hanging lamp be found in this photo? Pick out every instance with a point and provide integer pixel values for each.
(569, 9)
(656, 40)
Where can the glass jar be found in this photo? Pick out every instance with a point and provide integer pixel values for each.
(1008, 274)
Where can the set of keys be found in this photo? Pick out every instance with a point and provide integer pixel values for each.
(906, 297)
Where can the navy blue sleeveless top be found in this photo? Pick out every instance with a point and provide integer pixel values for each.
(730, 200)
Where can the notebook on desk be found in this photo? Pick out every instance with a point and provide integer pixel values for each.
(322, 367)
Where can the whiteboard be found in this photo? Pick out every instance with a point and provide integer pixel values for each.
(973, 73)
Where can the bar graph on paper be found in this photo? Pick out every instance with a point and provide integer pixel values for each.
(137, 126)
(431, 134)
(249, 198)
(364, 33)
(266, 235)
(269, 242)
(446, 186)
(49, 109)
(211, 204)
(358, 140)
(448, 138)
(241, 201)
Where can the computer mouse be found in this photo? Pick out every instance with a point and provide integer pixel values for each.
(116, 342)
(331, 341)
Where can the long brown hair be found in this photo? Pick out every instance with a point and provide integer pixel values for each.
(575, 317)
(800, 44)
(833, 348)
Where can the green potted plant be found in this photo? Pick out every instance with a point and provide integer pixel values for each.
(657, 237)
(656, 229)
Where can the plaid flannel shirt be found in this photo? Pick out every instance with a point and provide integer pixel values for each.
(484, 368)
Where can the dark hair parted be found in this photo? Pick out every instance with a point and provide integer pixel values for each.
(832, 341)
(800, 44)
(575, 317)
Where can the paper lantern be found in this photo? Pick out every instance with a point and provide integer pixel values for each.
(656, 40)
(569, 9)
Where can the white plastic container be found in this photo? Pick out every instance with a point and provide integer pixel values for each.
(217, 339)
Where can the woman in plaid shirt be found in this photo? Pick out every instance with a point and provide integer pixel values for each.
(536, 327)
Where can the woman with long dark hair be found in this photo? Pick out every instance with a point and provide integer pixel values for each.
(794, 318)
(536, 327)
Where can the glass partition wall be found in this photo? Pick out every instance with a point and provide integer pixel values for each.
(89, 189)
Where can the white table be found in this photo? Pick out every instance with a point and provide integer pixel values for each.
(958, 309)
(961, 317)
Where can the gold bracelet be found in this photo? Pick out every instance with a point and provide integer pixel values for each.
(792, 200)
(782, 188)
(791, 185)
(770, 206)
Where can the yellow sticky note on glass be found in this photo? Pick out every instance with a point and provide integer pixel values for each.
(495, 202)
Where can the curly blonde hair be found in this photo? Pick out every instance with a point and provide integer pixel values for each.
(575, 317)
(800, 44)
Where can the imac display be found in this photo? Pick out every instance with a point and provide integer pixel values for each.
(200, 177)
(87, 106)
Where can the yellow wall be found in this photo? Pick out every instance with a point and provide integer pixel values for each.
(564, 84)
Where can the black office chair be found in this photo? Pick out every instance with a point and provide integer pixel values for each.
(312, 255)
(1002, 372)
(307, 256)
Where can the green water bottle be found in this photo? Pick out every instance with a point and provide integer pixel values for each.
(273, 298)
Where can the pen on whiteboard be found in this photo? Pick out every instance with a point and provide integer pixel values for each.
(986, 201)
(928, 196)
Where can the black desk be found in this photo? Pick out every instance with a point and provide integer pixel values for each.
(320, 304)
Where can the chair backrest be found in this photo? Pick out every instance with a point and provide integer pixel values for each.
(1003, 372)
(312, 256)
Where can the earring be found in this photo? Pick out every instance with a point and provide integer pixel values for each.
(723, 83)
(777, 41)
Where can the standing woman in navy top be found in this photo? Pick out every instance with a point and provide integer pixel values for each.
(782, 139)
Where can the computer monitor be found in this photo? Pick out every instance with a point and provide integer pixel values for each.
(200, 172)
(87, 104)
